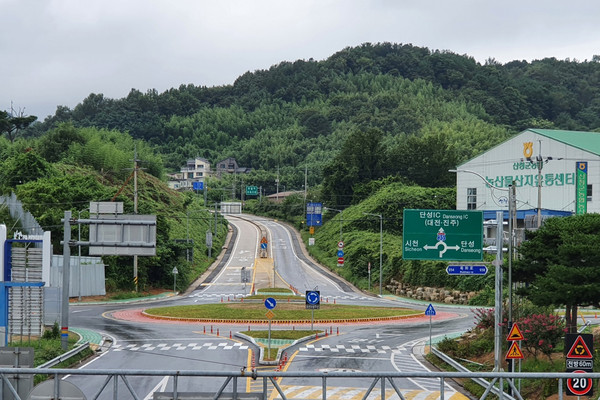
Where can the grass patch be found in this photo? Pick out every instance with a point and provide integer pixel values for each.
(48, 347)
(283, 311)
(288, 296)
(270, 355)
(276, 290)
(278, 334)
(128, 295)
(281, 334)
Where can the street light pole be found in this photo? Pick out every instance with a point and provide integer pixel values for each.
(380, 250)
(498, 263)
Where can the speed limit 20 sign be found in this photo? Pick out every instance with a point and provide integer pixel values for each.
(580, 386)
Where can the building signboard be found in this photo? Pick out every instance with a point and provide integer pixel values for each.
(539, 163)
(581, 190)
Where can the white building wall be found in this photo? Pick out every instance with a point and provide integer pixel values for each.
(507, 162)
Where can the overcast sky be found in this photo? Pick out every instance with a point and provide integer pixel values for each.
(57, 52)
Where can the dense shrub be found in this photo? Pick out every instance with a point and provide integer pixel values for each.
(542, 333)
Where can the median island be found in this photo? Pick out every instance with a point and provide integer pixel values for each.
(289, 309)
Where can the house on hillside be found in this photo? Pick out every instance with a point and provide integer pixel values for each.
(281, 196)
(230, 166)
(174, 180)
(195, 170)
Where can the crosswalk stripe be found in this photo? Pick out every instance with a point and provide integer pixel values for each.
(351, 393)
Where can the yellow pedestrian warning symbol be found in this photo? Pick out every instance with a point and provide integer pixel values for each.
(515, 333)
(514, 352)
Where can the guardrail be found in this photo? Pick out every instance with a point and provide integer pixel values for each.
(230, 380)
(459, 367)
(65, 356)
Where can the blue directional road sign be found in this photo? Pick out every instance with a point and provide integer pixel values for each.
(198, 185)
(314, 214)
(313, 299)
(270, 303)
(430, 310)
(263, 246)
(466, 269)
(340, 253)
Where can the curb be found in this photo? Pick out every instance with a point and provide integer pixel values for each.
(279, 351)
(286, 322)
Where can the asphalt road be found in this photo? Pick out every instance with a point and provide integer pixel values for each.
(141, 344)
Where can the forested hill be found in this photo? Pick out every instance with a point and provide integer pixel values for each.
(301, 113)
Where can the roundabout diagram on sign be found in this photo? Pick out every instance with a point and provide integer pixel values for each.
(441, 236)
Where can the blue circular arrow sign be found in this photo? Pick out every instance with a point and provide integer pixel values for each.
(270, 303)
(340, 253)
(313, 297)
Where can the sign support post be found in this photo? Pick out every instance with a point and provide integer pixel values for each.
(431, 312)
(64, 335)
(270, 303)
(313, 302)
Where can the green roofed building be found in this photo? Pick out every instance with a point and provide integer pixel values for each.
(555, 171)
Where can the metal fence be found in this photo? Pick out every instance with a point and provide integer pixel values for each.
(28, 223)
(118, 383)
(87, 276)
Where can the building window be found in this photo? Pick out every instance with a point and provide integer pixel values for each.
(589, 192)
(471, 198)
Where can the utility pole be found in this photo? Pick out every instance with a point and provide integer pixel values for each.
(135, 211)
(277, 184)
(305, 184)
(380, 250)
(64, 317)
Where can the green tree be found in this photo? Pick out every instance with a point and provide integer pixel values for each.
(559, 264)
(425, 160)
(11, 126)
(55, 144)
(359, 161)
(22, 168)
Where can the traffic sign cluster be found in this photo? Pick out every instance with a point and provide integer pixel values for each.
(580, 359)
(340, 254)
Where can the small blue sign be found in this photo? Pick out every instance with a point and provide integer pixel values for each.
(263, 246)
(430, 311)
(340, 253)
(270, 303)
(466, 269)
(198, 185)
(313, 297)
(441, 235)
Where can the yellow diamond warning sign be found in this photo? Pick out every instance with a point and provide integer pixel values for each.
(515, 333)
(514, 352)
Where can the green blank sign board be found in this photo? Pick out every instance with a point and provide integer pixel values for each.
(442, 235)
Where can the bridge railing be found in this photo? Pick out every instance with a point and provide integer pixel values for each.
(229, 387)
